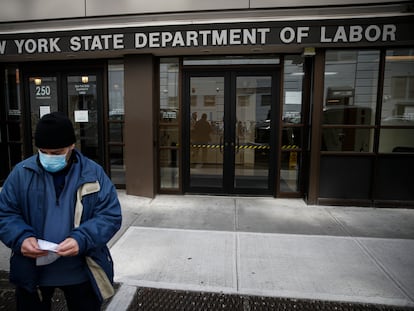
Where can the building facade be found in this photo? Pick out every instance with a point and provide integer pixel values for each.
(311, 99)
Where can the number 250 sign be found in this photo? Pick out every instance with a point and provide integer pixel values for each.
(42, 91)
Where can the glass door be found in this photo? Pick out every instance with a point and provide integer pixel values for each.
(230, 141)
(77, 95)
(206, 148)
(82, 105)
(252, 127)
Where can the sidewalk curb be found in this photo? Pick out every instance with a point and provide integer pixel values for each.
(122, 298)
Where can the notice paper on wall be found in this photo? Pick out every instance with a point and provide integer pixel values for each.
(81, 116)
(43, 110)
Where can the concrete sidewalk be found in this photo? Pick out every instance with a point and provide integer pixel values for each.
(264, 246)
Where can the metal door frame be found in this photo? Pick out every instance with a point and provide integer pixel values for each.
(230, 76)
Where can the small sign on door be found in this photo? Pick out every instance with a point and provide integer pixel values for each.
(43, 110)
(81, 116)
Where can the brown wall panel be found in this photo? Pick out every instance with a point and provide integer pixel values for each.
(139, 128)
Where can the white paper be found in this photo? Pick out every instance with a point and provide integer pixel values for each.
(81, 116)
(44, 110)
(51, 254)
(47, 246)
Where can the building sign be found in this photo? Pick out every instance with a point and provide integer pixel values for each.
(82, 89)
(366, 32)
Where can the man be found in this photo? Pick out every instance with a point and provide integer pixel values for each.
(62, 197)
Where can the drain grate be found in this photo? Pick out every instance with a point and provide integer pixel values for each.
(7, 299)
(168, 300)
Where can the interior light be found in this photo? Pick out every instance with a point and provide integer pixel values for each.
(85, 79)
(38, 81)
(400, 57)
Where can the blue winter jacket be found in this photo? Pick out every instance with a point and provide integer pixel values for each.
(21, 216)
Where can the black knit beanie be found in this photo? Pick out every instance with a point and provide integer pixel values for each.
(54, 131)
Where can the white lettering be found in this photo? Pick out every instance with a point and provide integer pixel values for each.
(204, 34)
(192, 38)
(53, 42)
(219, 37)
(96, 43)
(118, 41)
(86, 40)
(75, 44)
(178, 39)
(355, 33)
(388, 31)
(376, 33)
(19, 45)
(303, 32)
(141, 40)
(166, 37)
(323, 35)
(154, 40)
(340, 34)
(30, 46)
(42, 45)
(2, 46)
(235, 36)
(287, 35)
(93, 43)
(249, 37)
(263, 32)
(105, 39)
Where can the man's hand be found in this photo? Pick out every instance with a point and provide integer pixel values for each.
(30, 248)
(69, 247)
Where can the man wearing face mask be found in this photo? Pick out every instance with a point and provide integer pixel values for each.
(58, 210)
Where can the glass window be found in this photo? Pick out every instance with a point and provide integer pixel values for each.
(396, 140)
(397, 114)
(12, 120)
(348, 139)
(116, 122)
(350, 99)
(351, 79)
(169, 136)
(292, 123)
(398, 94)
(292, 89)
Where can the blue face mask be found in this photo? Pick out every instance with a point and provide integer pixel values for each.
(52, 163)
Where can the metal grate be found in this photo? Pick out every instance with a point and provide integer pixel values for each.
(7, 299)
(168, 300)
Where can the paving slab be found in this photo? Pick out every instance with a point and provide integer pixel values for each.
(185, 259)
(330, 268)
(375, 222)
(195, 212)
(396, 258)
(313, 267)
(293, 216)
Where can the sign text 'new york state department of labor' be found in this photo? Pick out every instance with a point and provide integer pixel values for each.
(80, 42)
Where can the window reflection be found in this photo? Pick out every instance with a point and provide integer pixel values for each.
(397, 113)
(116, 122)
(351, 79)
(169, 124)
(398, 95)
(291, 154)
(351, 83)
